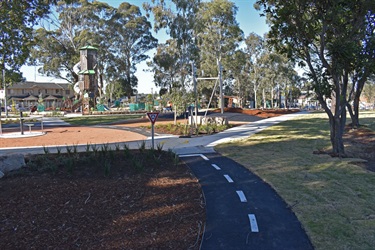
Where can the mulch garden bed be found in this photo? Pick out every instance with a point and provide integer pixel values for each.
(134, 199)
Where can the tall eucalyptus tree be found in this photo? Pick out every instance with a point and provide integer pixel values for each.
(218, 32)
(255, 51)
(130, 39)
(178, 19)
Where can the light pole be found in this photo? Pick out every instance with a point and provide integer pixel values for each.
(221, 86)
(5, 95)
(195, 95)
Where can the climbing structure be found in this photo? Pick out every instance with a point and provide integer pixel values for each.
(88, 82)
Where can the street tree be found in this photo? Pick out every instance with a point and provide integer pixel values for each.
(328, 37)
(254, 50)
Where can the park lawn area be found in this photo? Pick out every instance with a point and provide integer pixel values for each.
(100, 119)
(333, 198)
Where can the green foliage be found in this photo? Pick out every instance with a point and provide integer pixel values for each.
(126, 33)
(58, 150)
(159, 147)
(137, 164)
(142, 146)
(126, 151)
(69, 165)
(16, 31)
(68, 150)
(219, 33)
(333, 39)
(172, 61)
(46, 150)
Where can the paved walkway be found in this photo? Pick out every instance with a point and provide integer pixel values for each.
(243, 212)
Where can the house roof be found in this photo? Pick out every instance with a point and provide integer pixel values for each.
(50, 98)
(31, 98)
(42, 85)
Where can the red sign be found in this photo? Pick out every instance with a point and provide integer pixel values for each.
(152, 116)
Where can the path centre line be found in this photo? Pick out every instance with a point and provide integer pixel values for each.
(193, 155)
(253, 223)
(228, 178)
(216, 166)
(241, 195)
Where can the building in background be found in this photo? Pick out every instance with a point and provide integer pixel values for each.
(27, 94)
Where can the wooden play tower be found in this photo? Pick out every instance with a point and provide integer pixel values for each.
(88, 82)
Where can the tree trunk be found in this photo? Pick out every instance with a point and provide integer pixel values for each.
(358, 84)
(350, 110)
(279, 91)
(264, 99)
(337, 126)
(255, 98)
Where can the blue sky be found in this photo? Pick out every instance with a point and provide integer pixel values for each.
(247, 17)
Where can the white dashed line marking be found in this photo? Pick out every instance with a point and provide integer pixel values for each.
(216, 166)
(228, 178)
(192, 155)
(242, 196)
(253, 223)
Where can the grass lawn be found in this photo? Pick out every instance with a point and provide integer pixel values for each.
(333, 198)
(100, 119)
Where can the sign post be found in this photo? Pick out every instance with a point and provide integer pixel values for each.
(152, 116)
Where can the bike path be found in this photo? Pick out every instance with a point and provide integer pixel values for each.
(243, 212)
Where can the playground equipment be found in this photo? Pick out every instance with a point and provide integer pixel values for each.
(87, 85)
(23, 123)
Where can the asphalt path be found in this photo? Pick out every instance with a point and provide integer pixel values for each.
(243, 212)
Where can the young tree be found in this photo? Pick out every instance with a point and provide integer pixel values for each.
(328, 37)
(165, 65)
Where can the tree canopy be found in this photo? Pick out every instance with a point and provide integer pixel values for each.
(333, 40)
(16, 28)
(122, 36)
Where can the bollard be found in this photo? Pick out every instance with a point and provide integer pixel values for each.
(21, 122)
